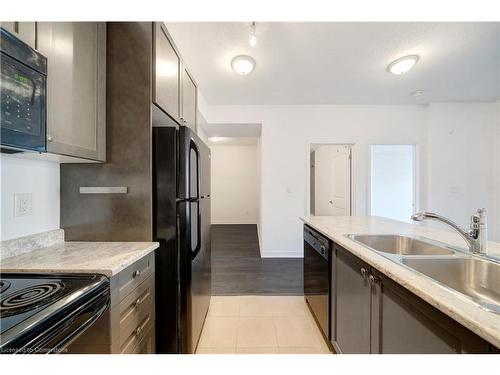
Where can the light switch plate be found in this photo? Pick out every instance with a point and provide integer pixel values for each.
(22, 204)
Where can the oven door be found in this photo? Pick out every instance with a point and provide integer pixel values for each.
(22, 106)
(317, 279)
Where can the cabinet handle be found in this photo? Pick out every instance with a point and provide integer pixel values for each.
(363, 272)
(139, 329)
(49, 138)
(374, 279)
(136, 273)
(137, 302)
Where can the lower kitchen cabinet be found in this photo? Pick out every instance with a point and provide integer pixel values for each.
(128, 325)
(352, 318)
(374, 314)
(404, 323)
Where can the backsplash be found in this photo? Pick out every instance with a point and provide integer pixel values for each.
(22, 245)
(37, 179)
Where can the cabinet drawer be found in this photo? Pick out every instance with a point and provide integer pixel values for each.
(135, 308)
(135, 337)
(146, 344)
(134, 275)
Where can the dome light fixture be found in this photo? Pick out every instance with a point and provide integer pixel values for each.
(216, 139)
(243, 64)
(403, 64)
(417, 93)
(253, 39)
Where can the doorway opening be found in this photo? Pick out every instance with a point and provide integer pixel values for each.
(393, 181)
(330, 185)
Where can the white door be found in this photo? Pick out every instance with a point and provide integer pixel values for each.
(332, 187)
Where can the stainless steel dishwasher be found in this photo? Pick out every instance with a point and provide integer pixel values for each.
(317, 268)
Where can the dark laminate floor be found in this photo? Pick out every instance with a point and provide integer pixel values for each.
(238, 269)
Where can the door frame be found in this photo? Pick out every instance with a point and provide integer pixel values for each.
(308, 173)
(416, 175)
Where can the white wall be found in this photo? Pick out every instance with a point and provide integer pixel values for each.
(287, 132)
(41, 179)
(463, 151)
(235, 196)
(464, 159)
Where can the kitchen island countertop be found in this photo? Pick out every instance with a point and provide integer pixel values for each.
(482, 322)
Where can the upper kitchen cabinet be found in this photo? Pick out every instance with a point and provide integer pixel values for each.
(25, 31)
(76, 87)
(188, 117)
(174, 91)
(166, 73)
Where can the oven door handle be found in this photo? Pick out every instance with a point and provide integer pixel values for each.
(56, 339)
(68, 338)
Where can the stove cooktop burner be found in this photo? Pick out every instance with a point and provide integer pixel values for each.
(4, 285)
(29, 298)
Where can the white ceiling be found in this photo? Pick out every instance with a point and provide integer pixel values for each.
(342, 63)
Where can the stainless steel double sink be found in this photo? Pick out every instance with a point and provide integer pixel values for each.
(475, 277)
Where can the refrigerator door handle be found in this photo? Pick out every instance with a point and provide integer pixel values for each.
(196, 250)
(198, 234)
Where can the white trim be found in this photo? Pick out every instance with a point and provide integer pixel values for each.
(280, 254)
(228, 222)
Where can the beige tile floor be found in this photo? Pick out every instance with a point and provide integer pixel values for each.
(260, 325)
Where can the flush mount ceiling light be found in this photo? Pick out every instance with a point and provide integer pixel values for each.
(243, 64)
(403, 64)
(417, 93)
(253, 39)
(216, 139)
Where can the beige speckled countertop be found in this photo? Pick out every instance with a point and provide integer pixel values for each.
(106, 258)
(484, 323)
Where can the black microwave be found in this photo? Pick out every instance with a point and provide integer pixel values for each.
(23, 95)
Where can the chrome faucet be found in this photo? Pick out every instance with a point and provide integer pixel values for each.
(476, 237)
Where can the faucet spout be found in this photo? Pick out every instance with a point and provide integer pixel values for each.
(476, 238)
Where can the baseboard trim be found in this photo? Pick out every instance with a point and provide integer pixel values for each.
(280, 254)
(233, 222)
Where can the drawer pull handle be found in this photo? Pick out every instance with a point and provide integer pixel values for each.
(139, 329)
(363, 272)
(137, 302)
(136, 273)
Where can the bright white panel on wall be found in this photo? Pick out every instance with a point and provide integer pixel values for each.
(234, 177)
(40, 180)
(393, 181)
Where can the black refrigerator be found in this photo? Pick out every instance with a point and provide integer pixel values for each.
(181, 224)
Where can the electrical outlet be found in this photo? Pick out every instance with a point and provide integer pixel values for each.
(22, 204)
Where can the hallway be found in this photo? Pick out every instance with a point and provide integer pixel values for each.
(238, 269)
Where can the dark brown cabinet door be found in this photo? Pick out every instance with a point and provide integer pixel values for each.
(166, 73)
(352, 318)
(188, 100)
(404, 323)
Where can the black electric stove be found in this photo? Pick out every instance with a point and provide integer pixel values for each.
(43, 313)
